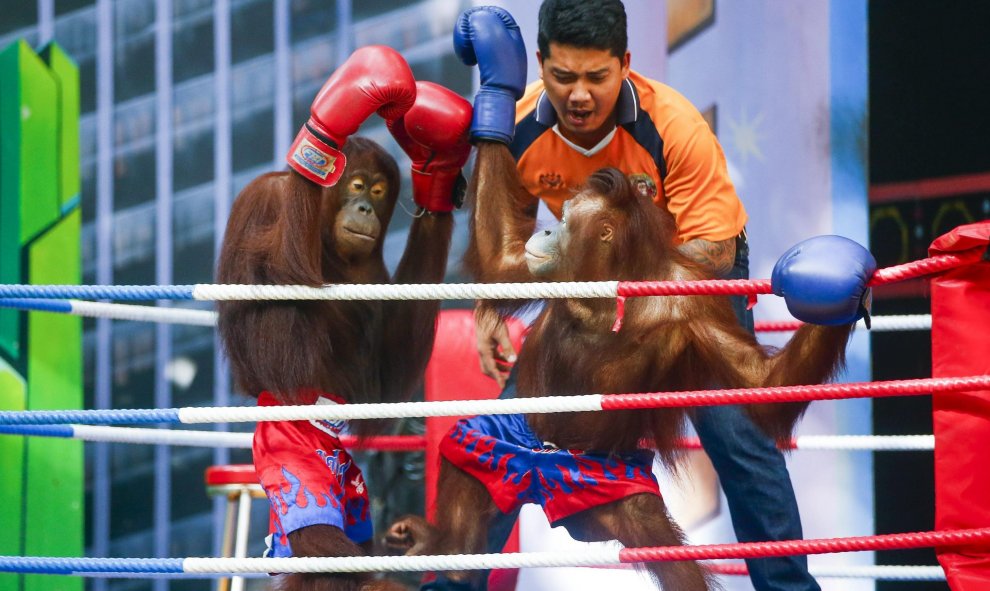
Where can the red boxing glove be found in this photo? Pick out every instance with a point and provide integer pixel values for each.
(434, 135)
(374, 78)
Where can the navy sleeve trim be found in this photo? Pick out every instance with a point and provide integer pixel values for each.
(644, 131)
(527, 131)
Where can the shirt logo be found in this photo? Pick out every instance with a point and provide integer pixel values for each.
(336, 461)
(551, 181)
(644, 185)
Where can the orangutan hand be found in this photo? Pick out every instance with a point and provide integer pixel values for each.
(409, 535)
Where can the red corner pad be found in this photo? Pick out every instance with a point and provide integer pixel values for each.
(969, 237)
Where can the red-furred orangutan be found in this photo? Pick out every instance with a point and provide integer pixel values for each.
(587, 469)
(299, 228)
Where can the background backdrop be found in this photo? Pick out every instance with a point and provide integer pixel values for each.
(835, 116)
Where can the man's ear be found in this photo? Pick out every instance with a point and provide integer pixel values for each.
(607, 233)
(539, 60)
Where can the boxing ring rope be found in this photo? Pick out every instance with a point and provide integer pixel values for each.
(50, 423)
(605, 556)
(890, 323)
(418, 442)
(450, 291)
(877, 572)
(547, 404)
(114, 311)
(880, 572)
(200, 438)
(409, 443)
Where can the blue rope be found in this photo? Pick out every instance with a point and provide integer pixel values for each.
(89, 417)
(44, 430)
(41, 305)
(71, 566)
(99, 292)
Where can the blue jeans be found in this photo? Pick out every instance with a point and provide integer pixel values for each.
(753, 475)
(751, 471)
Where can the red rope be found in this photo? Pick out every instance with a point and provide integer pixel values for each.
(931, 539)
(793, 393)
(385, 442)
(777, 325)
(730, 568)
(923, 267)
(929, 266)
(703, 287)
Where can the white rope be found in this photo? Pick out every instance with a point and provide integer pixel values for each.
(243, 440)
(549, 404)
(162, 436)
(905, 322)
(899, 323)
(866, 442)
(144, 313)
(881, 572)
(875, 572)
(608, 555)
(439, 291)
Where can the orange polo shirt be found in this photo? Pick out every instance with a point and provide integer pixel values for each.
(661, 142)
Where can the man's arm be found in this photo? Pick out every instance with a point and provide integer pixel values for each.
(716, 258)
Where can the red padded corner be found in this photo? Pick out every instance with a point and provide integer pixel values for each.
(231, 474)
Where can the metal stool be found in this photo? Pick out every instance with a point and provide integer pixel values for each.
(239, 483)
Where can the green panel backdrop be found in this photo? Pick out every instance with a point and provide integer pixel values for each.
(42, 357)
(13, 394)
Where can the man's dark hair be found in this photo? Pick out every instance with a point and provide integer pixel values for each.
(595, 24)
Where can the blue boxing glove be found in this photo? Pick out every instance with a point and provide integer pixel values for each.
(488, 36)
(824, 280)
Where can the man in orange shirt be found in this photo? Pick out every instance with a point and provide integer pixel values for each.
(590, 110)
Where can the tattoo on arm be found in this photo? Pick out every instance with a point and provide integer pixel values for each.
(715, 257)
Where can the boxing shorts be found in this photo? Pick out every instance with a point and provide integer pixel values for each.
(309, 478)
(504, 454)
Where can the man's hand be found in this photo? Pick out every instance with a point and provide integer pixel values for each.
(493, 342)
(716, 258)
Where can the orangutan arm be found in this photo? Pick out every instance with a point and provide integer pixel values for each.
(502, 218)
(410, 325)
(273, 233)
(812, 356)
(326, 540)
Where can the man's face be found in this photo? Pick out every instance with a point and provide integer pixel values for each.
(583, 86)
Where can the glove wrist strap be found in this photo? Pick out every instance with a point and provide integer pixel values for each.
(438, 191)
(316, 159)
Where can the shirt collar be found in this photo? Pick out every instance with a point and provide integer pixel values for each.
(627, 107)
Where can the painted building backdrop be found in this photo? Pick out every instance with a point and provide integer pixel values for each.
(182, 102)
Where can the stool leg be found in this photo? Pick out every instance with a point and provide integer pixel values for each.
(226, 548)
(243, 526)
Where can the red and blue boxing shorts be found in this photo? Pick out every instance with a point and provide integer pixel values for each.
(504, 454)
(309, 478)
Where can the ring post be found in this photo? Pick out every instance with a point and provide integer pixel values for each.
(961, 347)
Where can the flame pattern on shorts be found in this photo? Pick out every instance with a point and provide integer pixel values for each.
(504, 454)
(309, 479)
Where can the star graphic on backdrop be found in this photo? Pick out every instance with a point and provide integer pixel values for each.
(745, 135)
